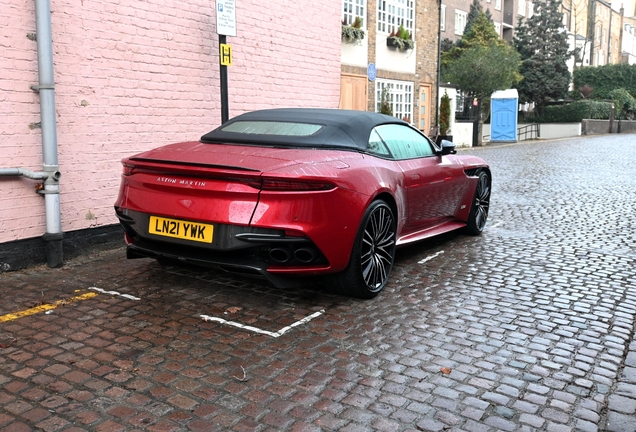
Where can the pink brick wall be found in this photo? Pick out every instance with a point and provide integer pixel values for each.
(135, 75)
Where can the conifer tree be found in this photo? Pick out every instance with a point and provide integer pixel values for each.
(481, 64)
(542, 42)
(475, 10)
(481, 32)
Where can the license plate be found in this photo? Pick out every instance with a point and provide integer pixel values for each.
(181, 229)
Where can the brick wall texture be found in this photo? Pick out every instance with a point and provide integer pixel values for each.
(131, 76)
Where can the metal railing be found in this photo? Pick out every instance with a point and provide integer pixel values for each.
(532, 130)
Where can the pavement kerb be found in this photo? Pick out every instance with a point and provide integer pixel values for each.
(532, 141)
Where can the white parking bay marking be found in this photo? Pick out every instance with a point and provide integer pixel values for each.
(115, 293)
(430, 257)
(260, 331)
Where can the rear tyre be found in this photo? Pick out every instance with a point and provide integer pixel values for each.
(481, 203)
(372, 256)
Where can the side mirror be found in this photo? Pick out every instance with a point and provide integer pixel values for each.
(447, 148)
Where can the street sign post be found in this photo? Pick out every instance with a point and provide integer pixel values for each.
(225, 26)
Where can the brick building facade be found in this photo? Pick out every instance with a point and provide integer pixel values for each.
(505, 15)
(409, 76)
(130, 76)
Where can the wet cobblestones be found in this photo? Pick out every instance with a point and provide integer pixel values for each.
(528, 327)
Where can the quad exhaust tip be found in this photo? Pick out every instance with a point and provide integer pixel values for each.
(285, 255)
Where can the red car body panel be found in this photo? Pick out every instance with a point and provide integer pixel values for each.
(241, 190)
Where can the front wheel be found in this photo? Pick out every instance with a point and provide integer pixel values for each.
(481, 203)
(372, 256)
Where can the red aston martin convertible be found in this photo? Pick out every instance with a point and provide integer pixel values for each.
(300, 192)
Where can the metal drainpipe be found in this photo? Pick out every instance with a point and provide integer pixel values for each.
(439, 60)
(35, 175)
(53, 235)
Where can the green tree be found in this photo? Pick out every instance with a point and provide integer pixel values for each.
(624, 102)
(475, 11)
(446, 45)
(542, 43)
(444, 114)
(385, 102)
(604, 79)
(481, 32)
(481, 64)
(482, 69)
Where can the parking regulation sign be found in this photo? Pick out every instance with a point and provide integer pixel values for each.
(226, 17)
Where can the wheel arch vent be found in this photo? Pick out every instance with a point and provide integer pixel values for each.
(472, 172)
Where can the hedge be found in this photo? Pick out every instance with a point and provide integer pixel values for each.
(575, 112)
(604, 79)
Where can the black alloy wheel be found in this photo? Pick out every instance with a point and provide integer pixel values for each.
(373, 254)
(481, 203)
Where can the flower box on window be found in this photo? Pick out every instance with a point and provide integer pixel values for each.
(400, 39)
(354, 32)
(401, 44)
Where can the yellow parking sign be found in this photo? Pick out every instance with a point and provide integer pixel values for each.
(226, 54)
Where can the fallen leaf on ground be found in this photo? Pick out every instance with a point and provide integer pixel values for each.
(445, 370)
(233, 309)
(7, 344)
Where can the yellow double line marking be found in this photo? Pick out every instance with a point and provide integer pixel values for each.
(45, 307)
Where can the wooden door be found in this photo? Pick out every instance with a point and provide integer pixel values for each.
(353, 92)
(424, 123)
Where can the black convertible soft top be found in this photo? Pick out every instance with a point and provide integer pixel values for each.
(338, 128)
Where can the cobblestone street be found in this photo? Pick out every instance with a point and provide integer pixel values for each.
(527, 327)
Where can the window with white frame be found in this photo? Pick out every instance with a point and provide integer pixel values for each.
(395, 13)
(521, 7)
(498, 4)
(400, 95)
(442, 18)
(530, 9)
(460, 22)
(353, 9)
(498, 29)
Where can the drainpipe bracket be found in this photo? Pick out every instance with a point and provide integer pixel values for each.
(46, 192)
(37, 88)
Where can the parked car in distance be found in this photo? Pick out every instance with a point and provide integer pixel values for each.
(300, 192)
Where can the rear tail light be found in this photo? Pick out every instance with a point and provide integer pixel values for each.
(127, 170)
(294, 185)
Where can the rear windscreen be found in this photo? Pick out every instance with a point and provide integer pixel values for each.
(272, 128)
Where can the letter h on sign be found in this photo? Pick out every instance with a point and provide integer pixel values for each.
(226, 54)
